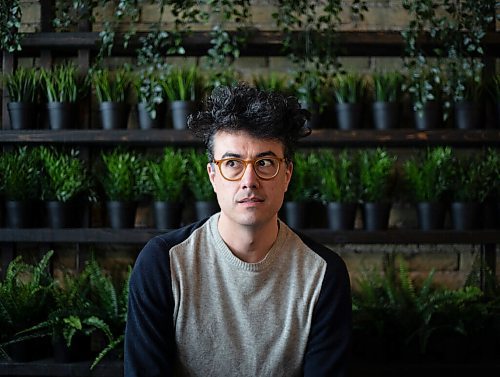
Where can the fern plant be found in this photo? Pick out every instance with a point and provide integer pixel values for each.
(167, 176)
(376, 174)
(24, 297)
(428, 176)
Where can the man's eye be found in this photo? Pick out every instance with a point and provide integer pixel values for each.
(232, 163)
(265, 162)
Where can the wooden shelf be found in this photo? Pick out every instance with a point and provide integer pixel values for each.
(50, 368)
(260, 43)
(319, 137)
(326, 236)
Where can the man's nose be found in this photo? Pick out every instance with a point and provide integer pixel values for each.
(250, 178)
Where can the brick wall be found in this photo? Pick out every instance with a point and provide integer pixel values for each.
(453, 263)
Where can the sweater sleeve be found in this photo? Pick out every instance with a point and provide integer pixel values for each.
(328, 347)
(149, 334)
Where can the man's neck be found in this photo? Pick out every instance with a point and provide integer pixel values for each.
(249, 243)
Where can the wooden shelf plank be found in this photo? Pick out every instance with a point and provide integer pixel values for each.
(319, 137)
(142, 235)
(50, 368)
(260, 43)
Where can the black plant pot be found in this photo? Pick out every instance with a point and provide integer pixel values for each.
(21, 214)
(205, 209)
(315, 121)
(498, 114)
(121, 215)
(376, 216)
(341, 216)
(29, 350)
(348, 115)
(467, 115)
(490, 214)
(63, 214)
(78, 351)
(296, 214)
(431, 215)
(62, 115)
(466, 215)
(180, 110)
(167, 214)
(430, 118)
(114, 115)
(385, 115)
(144, 118)
(23, 115)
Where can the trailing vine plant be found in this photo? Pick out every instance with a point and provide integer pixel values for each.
(10, 22)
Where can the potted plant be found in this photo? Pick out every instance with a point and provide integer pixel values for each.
(151, 107)
(495, 93)
(349, 91)
(123, 180)
(467, 102)
(71, 320)
(272, 82)
(23, 88)
(308, 86)
(300, 192)
(424, 85)
(110, 301)
(200, 185)
(62, 88)
(24, 301)
(428, 179)
(111, 88)
(386, 94)
(184, 90)
(471, 184)
(167, 177)
(339, 188)
(65, 181)
(376, 179)
(20, 186)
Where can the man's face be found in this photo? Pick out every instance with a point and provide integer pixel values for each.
(250, 201)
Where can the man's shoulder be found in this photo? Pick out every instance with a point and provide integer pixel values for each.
(159, 246)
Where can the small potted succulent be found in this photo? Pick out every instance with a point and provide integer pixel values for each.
(339, 188)
(184, 90)
(428, 178)
(62, 89)
(167, 178)
(20, 187)
(349, 92)
(65, 183)
(376, 179)
(386, 94)
(23, 87)
(112, 90)
(124, 181)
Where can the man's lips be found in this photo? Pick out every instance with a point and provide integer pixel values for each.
(251, 199)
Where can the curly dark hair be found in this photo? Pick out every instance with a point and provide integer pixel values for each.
(264, 115)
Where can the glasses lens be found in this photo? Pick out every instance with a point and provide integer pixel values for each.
(266, 167)
(232, 169)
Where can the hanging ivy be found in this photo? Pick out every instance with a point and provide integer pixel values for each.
(10, 22)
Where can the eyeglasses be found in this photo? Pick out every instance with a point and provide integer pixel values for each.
(233, 169)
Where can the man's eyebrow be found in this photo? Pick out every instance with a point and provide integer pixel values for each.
(236, 155)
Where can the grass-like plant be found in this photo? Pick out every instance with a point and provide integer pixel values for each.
(183, 84)
(338, 177)
(428, 176)
(199, 182)
(386, 87)
(305, 181)
(62, 84)
(124, 175)
(24, 297)
(65, 176)
(20, 174)
(349, 87)
(23, 85)
(111, 86)
(272, 82)
(376, 174)
(167, 175)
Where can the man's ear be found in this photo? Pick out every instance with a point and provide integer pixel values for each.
(211, 174)
(288, 174)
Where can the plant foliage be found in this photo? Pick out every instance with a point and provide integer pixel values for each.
(386, 86)
(376, 174)
(23, 85)
(19, 173)
(338, 177)
(199, 182)
(111, 86)
(168, 175)
(61, 84)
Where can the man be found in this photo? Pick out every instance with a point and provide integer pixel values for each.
(240, 293)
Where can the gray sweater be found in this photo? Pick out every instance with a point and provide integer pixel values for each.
(197, 310)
